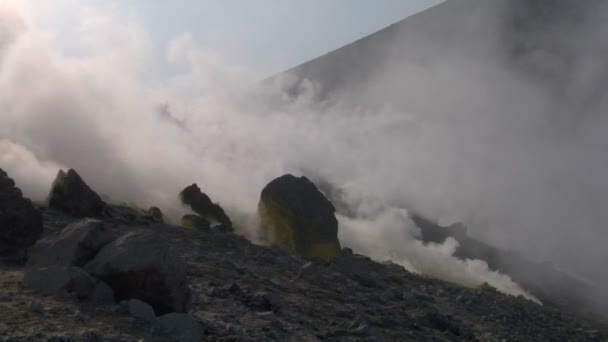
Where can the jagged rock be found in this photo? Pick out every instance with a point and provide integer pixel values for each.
(127, 215)
(180, 326)
(20, 222)
(195, 222)
(70, 194)
(298, 218)
(60, 280)
(74, 246)
(155, 214)
(142, 265)
(202, 205)
(141, 310)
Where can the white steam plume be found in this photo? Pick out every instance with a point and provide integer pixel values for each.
(139, 138)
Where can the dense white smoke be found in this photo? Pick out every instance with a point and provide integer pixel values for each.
(98, 107)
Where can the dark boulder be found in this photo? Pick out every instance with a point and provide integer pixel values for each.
(141, 310)
(75, 245)
(202, 205)
(60, 281)
(181, 326)
(266, 301)
(70, 194)
(298, 218)
(142, 265)
(20, 222)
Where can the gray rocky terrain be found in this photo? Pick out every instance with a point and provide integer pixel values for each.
(125, 276)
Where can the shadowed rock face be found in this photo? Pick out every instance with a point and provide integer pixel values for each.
(20, 222)
(70, 194)
(298, 218)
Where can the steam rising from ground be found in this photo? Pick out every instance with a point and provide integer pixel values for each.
(141, 138)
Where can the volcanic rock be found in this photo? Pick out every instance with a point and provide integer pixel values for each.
(141, 265)
(73, 246)
(195, 222)
(180, 326)
(155, 214)
(60, 280)
(202, 205)
(298, 218)
(141, 310)
(70, 194)
(20, 222)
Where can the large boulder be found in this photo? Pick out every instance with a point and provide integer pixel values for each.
(75, 245)
(202, 205)
(298, 218)
(70, 194)
(20, 222)
(143, 266)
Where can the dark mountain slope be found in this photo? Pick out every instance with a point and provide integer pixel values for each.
(549, 43)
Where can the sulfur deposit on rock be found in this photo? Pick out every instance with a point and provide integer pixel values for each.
(298, 218)
(201, 204)
(20, 222)
(155, 214)
(70, 194)
(195, 222)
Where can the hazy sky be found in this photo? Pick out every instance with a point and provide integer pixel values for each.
(269, 35)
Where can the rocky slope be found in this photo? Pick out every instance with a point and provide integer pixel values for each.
(457, 69)
(235, 290)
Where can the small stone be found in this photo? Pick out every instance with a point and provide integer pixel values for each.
(233, 288)
(180, 326)
(141, 310)
(266, 301)
(91, 336)
(212, 291)
(347, 251)
(36, 308)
